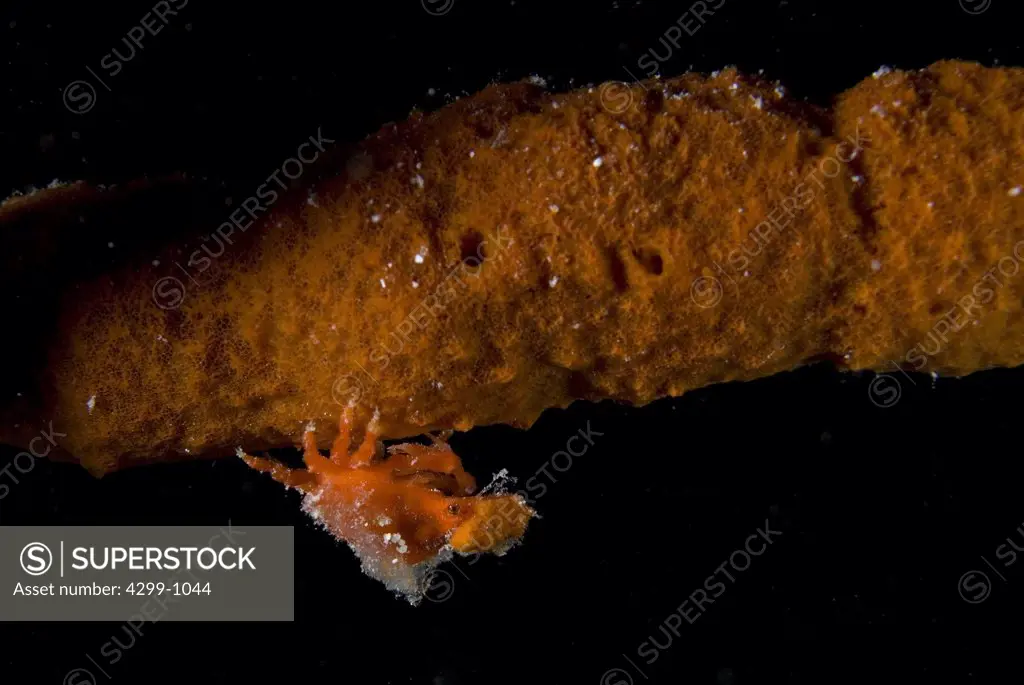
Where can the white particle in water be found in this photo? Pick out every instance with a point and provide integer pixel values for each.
(876, 265)
(1015, 191)
(383, 284)
(553, 208)
(91, 403)
(110, 244)
(598, 162)
(418, 259)
(417, 181)
(375, 218)
(553, 282)
(882, 71)
(156, 262)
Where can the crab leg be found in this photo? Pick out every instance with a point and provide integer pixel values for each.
(364, 454)
(303, 481)
(316, 462)
(339, 451)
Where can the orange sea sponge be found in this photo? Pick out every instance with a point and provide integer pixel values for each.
(521, 249)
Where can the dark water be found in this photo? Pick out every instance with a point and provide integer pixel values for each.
(880, 501)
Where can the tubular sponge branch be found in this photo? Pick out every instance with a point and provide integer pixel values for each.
(519, 249)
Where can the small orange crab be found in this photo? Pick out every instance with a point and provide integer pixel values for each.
(401, 513)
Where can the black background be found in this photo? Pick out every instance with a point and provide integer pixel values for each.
(882, 508)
